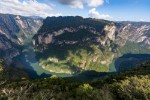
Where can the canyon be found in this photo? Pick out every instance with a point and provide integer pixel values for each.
(67, 46)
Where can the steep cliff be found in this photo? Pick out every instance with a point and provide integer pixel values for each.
(8, 49)
(14, 30)
(74, 44)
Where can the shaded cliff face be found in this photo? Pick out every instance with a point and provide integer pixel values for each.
(14, 31)
(74, 44)
(66, 30)
(118, 32)
(8, 49)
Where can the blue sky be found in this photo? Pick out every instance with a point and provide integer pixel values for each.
(118, 10)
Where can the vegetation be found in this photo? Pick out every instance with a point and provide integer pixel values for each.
(130, 85)
(11, 72)
(129, 55)
(55, 23)
(1, 68)
(74, 59)
(133, 48)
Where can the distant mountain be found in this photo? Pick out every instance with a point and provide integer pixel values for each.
(133, 22)
(18, 28)
(35, 17)
(75, 44)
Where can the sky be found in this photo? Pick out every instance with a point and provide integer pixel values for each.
(115, 10)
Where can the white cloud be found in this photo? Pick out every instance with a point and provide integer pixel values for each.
(25, 8)
(95, 3)
(73, 3)
(95, 14)
(80, 3)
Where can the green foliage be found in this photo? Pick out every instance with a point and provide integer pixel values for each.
(135, 87)
(129, 55)
(134, 48)
(130, 85)
(84, 89)
(73, 59)
(56, 23)
(1, 68)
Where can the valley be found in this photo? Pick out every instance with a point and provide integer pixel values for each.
(74, 50)
(31, 64)
(84, 45)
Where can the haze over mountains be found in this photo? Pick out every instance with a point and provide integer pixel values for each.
(72, 45)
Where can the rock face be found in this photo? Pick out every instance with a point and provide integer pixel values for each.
(54, 28)
(118, 32)
(18, 28)
(134, 32)
(104, 37)
(13, 31)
